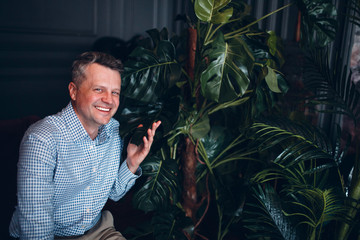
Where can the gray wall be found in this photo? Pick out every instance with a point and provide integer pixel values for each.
(40, 38)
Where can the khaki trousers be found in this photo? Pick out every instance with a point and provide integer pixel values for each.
(103, 230)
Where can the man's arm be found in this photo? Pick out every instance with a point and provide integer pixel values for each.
(129, 170)
(36, 188)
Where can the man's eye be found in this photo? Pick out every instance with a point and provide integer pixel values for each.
(97, 90)
(116, 93)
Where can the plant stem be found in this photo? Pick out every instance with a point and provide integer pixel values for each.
(203, 154)
(215, 30)
(258, 20)
(207, 34)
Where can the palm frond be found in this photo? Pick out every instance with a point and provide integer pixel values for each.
(353, 8)
(316, 207)
(291, 143)
(265, 217)
(332, 89)
(294, 177)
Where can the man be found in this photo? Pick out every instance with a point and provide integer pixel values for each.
(69, 163)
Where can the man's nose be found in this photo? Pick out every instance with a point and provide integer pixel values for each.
(107, 98)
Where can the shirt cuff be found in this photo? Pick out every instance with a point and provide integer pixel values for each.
(124, 169)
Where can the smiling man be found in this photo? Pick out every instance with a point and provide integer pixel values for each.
(69, 163)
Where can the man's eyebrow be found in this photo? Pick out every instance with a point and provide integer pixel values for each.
(102, 86)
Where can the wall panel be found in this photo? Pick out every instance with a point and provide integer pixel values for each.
(40, 38)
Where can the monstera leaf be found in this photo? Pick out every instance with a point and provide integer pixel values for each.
(214, 142)
(209, 11)
(134, 113)
(319, 22)
(162, 182)
(148, 74)
(226, 77)
(170, 223)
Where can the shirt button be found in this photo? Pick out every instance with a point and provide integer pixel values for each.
(83, 226)
(94, 169)
(91, 147)
(88, 188)
(88, 210)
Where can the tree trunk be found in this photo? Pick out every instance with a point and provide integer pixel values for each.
(189, 161)
(192, 37)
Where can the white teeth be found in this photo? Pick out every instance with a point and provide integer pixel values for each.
(103, 109)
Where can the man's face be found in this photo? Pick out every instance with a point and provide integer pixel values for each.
(96, 100)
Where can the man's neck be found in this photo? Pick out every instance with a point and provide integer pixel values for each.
(93, 134)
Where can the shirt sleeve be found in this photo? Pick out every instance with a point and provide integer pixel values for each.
(124, 182)
(36, 166)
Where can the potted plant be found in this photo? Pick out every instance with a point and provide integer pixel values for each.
(227, 162)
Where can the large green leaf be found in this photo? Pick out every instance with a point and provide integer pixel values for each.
(226, 77)
(148, 74)
(222, 152)
(214, 141)
(265, 100)
(265, 218)
(272, 80)
(194, 124)
(157, 36)
(132, 113)
(162, 184)
(209, 10)
(275, 48)
(319, 22)
(201, 127)
(258, 49)
(170, 223)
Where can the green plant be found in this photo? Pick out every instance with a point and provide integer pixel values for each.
(223, 157)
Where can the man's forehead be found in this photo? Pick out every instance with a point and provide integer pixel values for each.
(102, 73)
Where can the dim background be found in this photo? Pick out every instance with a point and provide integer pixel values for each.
(39, 39)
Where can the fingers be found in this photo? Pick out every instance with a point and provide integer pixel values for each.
(147, 141)
(155, 125)
(151, 133)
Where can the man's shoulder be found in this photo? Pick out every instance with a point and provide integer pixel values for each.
(114, 123)
(48, 126)
(111, 128)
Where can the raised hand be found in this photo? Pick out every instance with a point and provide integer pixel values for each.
(136, 154)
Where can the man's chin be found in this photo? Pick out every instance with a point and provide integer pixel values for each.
(104, 121)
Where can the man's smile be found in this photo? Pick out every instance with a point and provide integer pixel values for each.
(102, 109)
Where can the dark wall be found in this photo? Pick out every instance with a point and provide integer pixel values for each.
(39, 40)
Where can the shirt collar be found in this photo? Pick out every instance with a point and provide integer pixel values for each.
(104, 132)
(77, 130)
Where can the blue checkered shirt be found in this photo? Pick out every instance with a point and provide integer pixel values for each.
(65, 178)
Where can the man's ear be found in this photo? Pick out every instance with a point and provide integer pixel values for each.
(72, 90)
